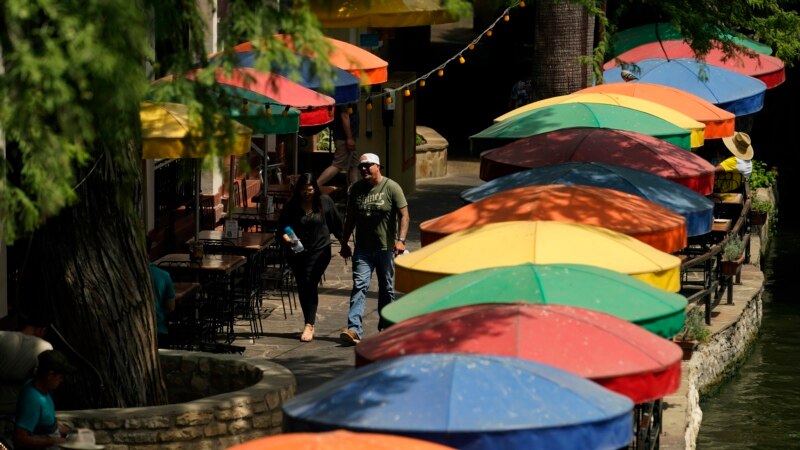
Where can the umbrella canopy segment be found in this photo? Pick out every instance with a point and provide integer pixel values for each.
(719, 123)
(731, 91)
(695, 128)
(618, 147)
(618, 355)
(383, 14)
(653, 32)
(624, 213)
(594, 288)
(537, 242)
(367, 67)
(345, 85)
(768, 69)
(468, 402)
(254, 114)
(697, 210)
(570, 115)
(167, 132)
(337, 440)
(315, 108)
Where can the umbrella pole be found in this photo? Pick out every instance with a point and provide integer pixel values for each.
(231, 200)
(296, 151)
(197, 200)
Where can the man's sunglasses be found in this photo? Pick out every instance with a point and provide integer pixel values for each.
(365, 165)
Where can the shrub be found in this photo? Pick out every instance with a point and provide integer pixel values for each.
(762, 176)
(733, 248)
(694, 329)
(761, 206)
(421, 140)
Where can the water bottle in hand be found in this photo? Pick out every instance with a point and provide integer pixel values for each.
(297, 246)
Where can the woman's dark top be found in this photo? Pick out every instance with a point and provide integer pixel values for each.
(314, 230)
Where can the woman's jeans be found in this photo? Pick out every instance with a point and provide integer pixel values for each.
(364, 263)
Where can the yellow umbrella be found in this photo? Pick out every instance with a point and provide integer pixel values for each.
(380, 14)
(696, 129)
(168, 133)
(536, 242)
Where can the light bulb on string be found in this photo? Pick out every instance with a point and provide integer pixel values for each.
(407, 92)
(349, 109)
(245, 106)
(422, 83)
(267, 110)
(369, 104)
(388, 99)
(489, 32)
(440, 72)
(461, 59)
(472, 46)
(506, 17)
(285, 111)
(522, 4)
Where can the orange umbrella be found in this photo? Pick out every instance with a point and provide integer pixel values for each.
(618, 211)
(366, 66)
(338, 440)
(719, 123)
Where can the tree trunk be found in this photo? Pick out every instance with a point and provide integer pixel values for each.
(563, 32)
(99, 296)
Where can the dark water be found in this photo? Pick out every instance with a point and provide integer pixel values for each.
(760, 406)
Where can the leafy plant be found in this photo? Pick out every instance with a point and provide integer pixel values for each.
(763, 176)
(421, 140)
(761, 206)
(694, 329)
(323, 140)
(733, 248)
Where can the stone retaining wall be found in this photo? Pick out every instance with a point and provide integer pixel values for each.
(233, 401)
(431, 157)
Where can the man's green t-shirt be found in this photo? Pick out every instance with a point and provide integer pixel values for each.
(376, 213)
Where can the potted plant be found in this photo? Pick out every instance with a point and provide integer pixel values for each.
(694, 332)
(732, 256)
(759, 210)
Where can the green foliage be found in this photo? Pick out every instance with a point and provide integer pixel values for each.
(761, 206)
(420, 140)
(324, 140)
(695, 329)
(763, 177)
(733, 248)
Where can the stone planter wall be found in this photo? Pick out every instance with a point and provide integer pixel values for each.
(431, 157)
(225, 401)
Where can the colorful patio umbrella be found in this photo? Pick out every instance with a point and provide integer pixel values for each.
(382, 14)
(315, 108)
(624, 213)
(369, 68)
(731, 91)
(618, 147)
(695, 208)
(595, 288)
(537, 242)
(616, 354)
(468, 402)
(768, 69)
(696, 129)
(643, 34)
(345, 85)
(337, 440)
(719, 123)
(570, 115)
(253, 113)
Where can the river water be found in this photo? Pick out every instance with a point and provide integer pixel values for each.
(760, 406)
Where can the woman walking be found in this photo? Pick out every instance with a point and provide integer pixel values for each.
(313, 217)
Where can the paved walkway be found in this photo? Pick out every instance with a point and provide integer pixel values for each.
(326, 358)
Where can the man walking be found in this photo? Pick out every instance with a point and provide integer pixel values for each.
(375, 205)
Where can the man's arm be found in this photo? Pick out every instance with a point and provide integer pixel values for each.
(402, 234)
(24, 438)
(348, 131)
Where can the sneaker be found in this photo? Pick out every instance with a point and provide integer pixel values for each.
(349, 337)
(308, 333)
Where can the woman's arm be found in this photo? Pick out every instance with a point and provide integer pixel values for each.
(332, 217)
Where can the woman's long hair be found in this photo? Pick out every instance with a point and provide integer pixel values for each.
(303, 181)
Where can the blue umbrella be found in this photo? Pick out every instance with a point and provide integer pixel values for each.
(346, 85)
(468, 402)
(696, 209)
(731, 91)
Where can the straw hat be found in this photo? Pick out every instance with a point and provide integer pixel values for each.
(739, 145)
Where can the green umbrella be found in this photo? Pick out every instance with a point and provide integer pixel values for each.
(589, 287)
(253, 113)
(644, 34)
(569, 115)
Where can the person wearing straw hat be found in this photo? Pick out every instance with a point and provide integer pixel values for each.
(732, 173)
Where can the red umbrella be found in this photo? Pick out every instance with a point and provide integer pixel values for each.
(315, 108)
(338, 440)
(624, 213)
(768, 69)
(601, 145)
(614, 353)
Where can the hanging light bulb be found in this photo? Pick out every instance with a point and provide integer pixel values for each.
(267, 110)
(245, 106)
(388, 99)
(285, 111)
(422, 83)
(369, 104)
(489, 32)
(461, 59)
(440, 72)
(407, 92)
(349, 109)
(506, 17)
(472, 46)
(522, 4)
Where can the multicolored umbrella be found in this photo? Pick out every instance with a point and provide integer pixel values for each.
(731, 91)
(719, 123)
(253, 113)
(768, 69)
(382, 14)
(695, 208)
(469, 402)
(618, 147)
(589, 287)
(537, 242)
(337, 440)
(695, 128)
(616, 354)
(654, 32)
(360, 63)
(624, 213)
(571, 115)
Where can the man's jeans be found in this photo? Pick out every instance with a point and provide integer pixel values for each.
(364, 263)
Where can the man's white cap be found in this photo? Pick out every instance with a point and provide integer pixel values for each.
(371, 157)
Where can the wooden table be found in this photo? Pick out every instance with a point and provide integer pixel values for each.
(210, 264)
(248, 242)
(721, 226)
(728, 198)
(254, 216)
